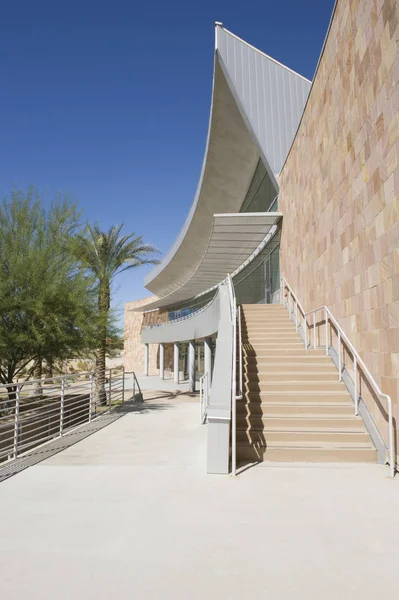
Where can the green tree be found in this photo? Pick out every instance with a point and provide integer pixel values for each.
(105, 254)
(47, 304)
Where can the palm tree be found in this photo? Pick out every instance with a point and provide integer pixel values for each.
(106, 254)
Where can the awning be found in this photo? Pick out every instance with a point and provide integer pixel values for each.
(234, 239)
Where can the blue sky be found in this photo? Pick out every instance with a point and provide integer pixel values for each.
(109, 101)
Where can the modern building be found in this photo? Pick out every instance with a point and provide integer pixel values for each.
(280, 296)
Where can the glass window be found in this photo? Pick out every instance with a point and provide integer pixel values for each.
(261, 192)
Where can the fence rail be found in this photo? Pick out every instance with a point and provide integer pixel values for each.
(34, 412)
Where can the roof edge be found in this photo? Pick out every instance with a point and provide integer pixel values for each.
(217, 24)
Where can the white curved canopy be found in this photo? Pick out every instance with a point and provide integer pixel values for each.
(233, 239)
(256, 107)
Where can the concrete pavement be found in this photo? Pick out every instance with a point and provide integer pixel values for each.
(130, 513)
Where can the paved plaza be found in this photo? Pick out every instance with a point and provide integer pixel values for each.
(128, 512)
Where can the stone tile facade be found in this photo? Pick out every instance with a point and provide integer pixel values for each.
(134, 348)
(340, 189)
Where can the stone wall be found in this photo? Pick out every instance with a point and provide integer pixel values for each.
(134, 348)
(340, 184)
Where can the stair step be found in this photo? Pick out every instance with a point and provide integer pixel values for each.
(267, 367)
(281, 409)
(267, 320)
(276, 345)
(283, 352)
(256, 398)
(272, 326)
(292, 385)
(284, 336)
(267, 437)
(299, 453)
(274, 375)
(303, 423)
(263, 306)
(303, 359)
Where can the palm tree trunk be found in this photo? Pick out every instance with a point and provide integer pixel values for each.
(49, 368)
(37, 374)
(104, 301)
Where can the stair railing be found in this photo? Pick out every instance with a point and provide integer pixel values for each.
(204, 396)
(233, 308)
(239, 397)
(291, 302)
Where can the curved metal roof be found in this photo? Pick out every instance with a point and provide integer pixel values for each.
(256, 106)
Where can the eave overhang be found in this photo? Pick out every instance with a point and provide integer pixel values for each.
(233, 241)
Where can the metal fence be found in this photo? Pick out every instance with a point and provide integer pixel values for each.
(34, 412)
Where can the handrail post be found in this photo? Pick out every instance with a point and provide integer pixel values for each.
(314, 330)
(355, 385)
(16, 420)
(326, 332)
(234, 416)
(201, 399)
(305, 323)
(339, 356)
(62, 407)
(109, 388)
(133, 386)
(123, 384)
(391, 434)
(296, 314)
(91, 398)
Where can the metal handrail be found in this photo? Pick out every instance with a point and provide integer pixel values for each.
(357, 362)
(135, 382)
(204, 396)
(233, 308)
(239, 397)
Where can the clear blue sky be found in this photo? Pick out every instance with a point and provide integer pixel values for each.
(109, 101)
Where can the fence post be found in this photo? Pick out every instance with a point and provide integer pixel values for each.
(62, 407)
(91, 397)
(123, 384)
(339, 356)
(109, 388)
(16, 420)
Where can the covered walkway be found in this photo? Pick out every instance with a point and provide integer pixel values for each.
(130, 513)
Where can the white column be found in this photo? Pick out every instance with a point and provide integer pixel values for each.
(208, 357)
(146, 359)
(162, 361)
(176, 362)
(191, 366)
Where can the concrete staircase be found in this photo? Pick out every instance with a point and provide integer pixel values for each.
(293, 408)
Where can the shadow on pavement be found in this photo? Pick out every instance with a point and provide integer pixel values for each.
(37, 455)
